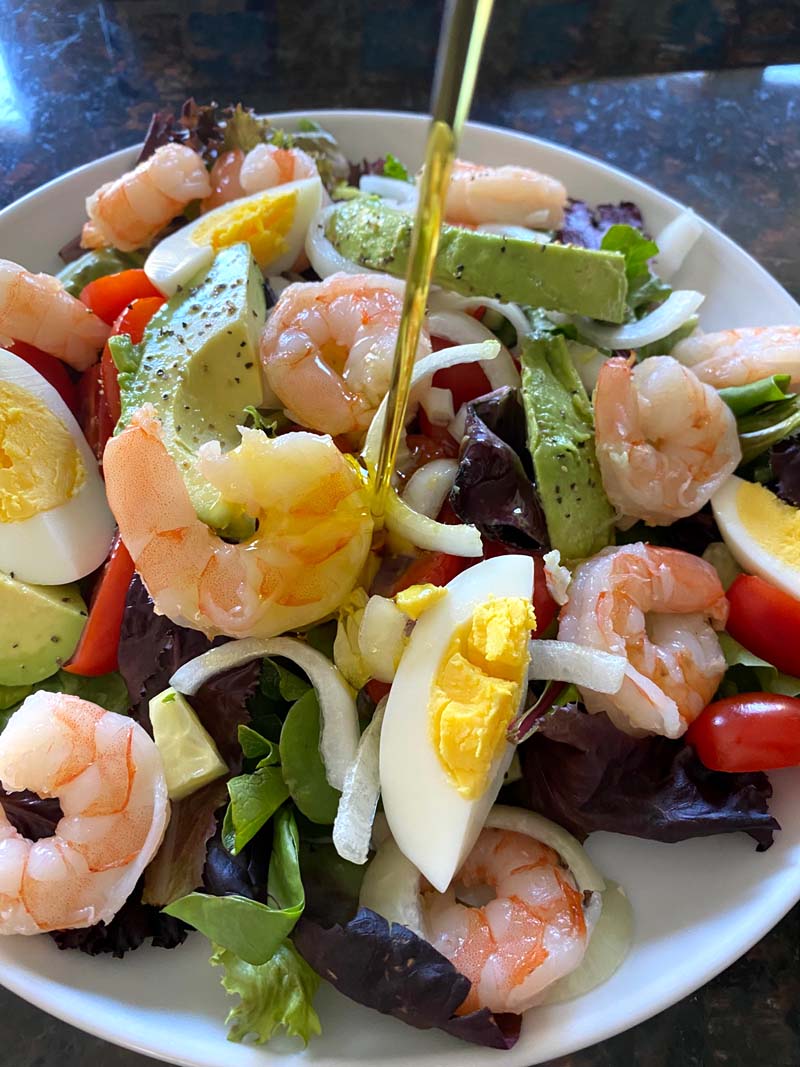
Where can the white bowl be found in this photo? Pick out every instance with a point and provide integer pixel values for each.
(698, 905)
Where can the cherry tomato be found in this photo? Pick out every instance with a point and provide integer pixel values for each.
(748, 732)
(93, 414)
(544, 606)
(765, 620)
(109, 296)
(465, 382)
(97, 649)
(51, 369)
(434, 568)
(377, 690)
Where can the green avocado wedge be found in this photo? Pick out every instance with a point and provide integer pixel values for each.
(40, 626)
(198, 365)
(580, 519)
(557, 277)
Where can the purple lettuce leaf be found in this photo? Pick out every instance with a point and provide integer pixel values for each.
(583, 773)
(784, 459)
(177, 867)
(31, 815)
(693, 534)
(387, 967)
(244, 874)
(133, 924)
(587, 226)
(494, 487)
(200, 126)
(152, 647)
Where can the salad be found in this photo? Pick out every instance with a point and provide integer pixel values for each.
(368, 749)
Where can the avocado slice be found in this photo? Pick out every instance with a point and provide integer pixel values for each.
(558, 277)
(198, 365)
(191, 759)
(40, 626)
(96, 264)
(580, 519)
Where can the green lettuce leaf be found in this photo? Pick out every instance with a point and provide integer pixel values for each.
(247, 928)
(644, 287)
(254, 800)
(273, 995)
(748, 673)
(742, 399)
(664, 345)
(254, 746)
(393, 168)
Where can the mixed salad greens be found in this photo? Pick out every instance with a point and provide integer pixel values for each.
(580, 612)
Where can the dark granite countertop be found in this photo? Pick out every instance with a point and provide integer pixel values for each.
(80, 78)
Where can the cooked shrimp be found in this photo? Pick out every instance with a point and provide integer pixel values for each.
(327, 349)
(109, 779)
(314, 529)
(665, 441)
(266, 166)
(656, 607)
(532, 933)
(516, 195)
(37, 309)
(130, 211)
(737, 357)
(224, 178)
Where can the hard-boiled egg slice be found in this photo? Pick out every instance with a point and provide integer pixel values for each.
(273, 222)
(761, 531)
(458, 684)
(55, 523)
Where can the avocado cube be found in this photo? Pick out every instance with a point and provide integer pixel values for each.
(191, 759)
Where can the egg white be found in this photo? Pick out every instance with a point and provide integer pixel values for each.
(177, 259)
(751, 555)
(433, 824)
(69, 541)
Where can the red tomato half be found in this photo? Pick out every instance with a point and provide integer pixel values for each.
(109, 296)
(97, 650)
(51, 369)
(766, 620)
(748, 732)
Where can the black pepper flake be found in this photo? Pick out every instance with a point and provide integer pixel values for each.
(238, 382)
(165, 396)
(243, 344)
(55, 638)
(160, 372)
(185, 325)
(247, 366)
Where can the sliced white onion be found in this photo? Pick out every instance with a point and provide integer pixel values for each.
(442, 300)
(400, 192)
(675, 310)
(457, 540)
(338, 739)
(400, 519)
(277, 283)
(324, 258)
(352, 828)
(464, 329)
(587, 361)
(382, 637)
(556, 576)
(608, 946)
(429, 487)
(564, 661)
(675, 242)
(520, 233)
(458, 427)
(438, 405)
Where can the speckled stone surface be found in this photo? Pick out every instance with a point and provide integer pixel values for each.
(79, 78)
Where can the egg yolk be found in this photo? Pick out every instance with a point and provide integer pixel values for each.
(40, 466)
(262, 223)
(769, 521)
(477, 690)
(418, 598)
